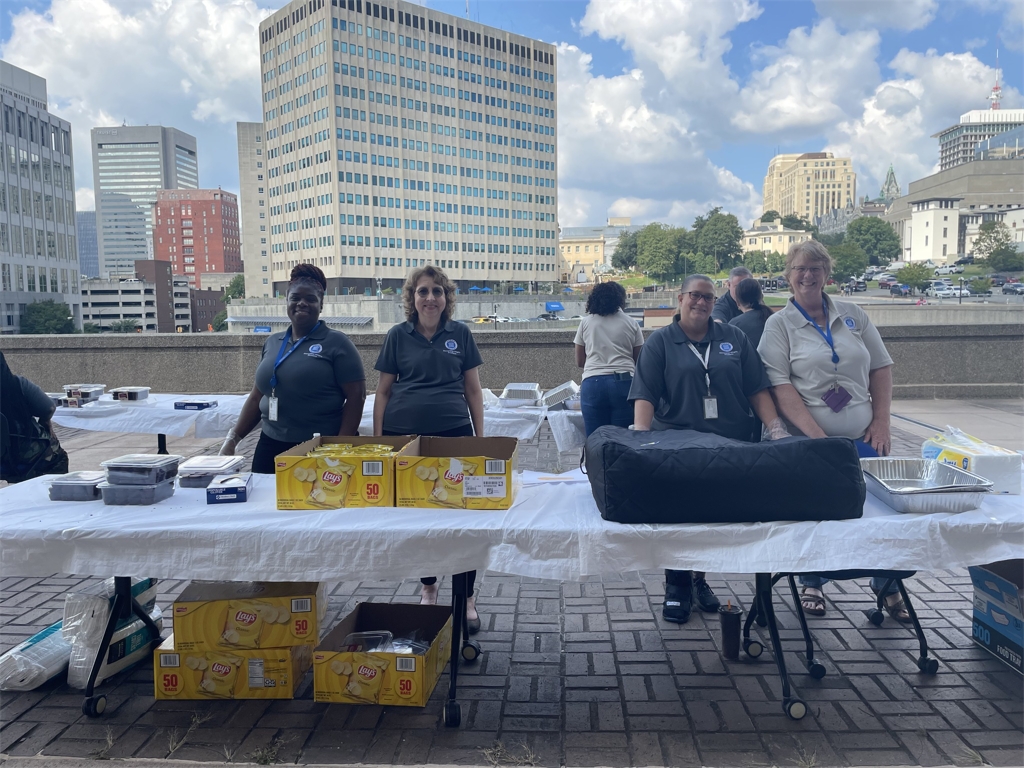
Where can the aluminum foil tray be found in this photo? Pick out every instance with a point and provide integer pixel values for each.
(923, 486)
(521, 392)
(561, 393)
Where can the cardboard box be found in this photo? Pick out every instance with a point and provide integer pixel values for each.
(998, 624)
(458, 473)
(264, 673)
(999, 465)
(229, 489)
(233, 616)
(403, 680)
(311, 482)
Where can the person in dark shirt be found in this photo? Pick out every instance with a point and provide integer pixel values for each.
(726, 308)
(750, 300)
(29, 447)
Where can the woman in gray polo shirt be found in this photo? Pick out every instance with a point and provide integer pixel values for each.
(429, 382)
(309, 380)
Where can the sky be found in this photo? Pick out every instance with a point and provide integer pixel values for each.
(666, 107)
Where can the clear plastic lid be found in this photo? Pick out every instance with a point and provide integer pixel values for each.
(367, 642)
(131, 389)
(211, 465)
(142, 460)
(79, 478)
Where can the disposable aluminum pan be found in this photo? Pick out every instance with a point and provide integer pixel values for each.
(521, 392)
(923, 486)
(561, 393)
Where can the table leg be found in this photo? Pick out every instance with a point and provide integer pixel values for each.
(161, 444)
(791, 705)
(452, 714)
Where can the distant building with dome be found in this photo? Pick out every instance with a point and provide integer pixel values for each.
(835, 222)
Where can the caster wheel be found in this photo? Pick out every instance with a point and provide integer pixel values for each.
(94, 706)
(928, 666)
(794, 709)
(471, 650)
(875, 616)
(452, 714)
(815, 668)
(752, 648)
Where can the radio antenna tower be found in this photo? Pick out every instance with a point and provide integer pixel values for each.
(467, 16)
(997, 92)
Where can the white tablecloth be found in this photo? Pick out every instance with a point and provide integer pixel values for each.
(553, 531)
(154, 416)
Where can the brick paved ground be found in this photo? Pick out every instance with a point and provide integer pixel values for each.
(580, 674)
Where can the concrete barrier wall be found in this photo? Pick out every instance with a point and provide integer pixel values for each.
(964, 361)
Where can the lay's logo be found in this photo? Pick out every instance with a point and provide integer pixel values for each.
(368, 672)
(454, 479)
(221, 669)
(245, 617)
(331, 478)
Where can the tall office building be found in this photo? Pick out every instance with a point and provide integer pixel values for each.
(252, 200)
(809, 185)
(957, 143)
(38, 252)
(396, 135)
(129, 165)
(88, 253)
(197, 232)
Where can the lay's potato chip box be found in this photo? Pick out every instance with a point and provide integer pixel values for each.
(264, 673)
(336, 472)
(246, 615)
(458, 473)
(342, 675)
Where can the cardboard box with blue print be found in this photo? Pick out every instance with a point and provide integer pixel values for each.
(998, 622)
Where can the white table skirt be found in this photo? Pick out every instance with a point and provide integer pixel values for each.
(154, 416)
(553, 531)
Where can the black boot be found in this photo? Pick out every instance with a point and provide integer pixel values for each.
(678, 596)
(704, 596)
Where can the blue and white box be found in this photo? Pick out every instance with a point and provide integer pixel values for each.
(229, 489)
(998, 622)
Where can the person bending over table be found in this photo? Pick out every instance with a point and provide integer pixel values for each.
(607, 344)
(430, 382)
(706, 376)
(309, 380)
(831, 377)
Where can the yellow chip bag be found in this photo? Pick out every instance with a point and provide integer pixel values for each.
(219, 676)
(244, 623)
(367, 677)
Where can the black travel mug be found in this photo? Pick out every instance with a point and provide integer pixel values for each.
(730, 615)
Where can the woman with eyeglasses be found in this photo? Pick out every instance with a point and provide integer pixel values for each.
(831, 377)
(429, 381)
(706, 376)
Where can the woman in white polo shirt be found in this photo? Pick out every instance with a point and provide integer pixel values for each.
(831, 376)
(608, 343)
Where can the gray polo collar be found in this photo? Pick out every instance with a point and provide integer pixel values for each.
(448, 327)
(679, 337)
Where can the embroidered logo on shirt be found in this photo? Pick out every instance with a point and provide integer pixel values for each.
(316, 348)
(451, 344)
(725, 346)
(850, 323)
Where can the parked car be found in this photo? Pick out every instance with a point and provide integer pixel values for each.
(939, 291)
(997, 280)
(951, 269)
(860, 285)
(1015, 289)
(965, 260)
(961, 292)
(887, 281)
(899, 290)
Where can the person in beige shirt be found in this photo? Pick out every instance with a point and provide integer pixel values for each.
(831, 376)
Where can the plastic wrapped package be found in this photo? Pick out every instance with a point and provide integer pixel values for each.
(194, 405)
(130, 644)
(31, 663)
(129, 495)
(130, 394)
(1001, 466)
(141, 469)
(86, 612)
(86, 392)
(197, 472)
(76, 486)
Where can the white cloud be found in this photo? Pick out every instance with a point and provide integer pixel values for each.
(879, 14)
(191, 64)
(805, 86)
(1011, 31)
(975, 42)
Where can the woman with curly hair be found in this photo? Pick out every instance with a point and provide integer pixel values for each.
(429, 380)
(607, 343)
(309, 380)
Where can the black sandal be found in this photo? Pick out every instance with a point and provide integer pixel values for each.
(813, 605)
(897, 609)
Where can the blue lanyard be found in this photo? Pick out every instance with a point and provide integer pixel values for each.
(825, 334)
(282, 355)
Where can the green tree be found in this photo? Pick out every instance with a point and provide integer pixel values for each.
(655, 252)
(776, 262)
(756, 262)
(720, 236)
(792, 221)
(992, 236)
(979, 285)
(625, 251)
(702, 264)
(876, 238)
(1006, 259)
(917, 276)
(235, 289)
(831, 240)
(124, 326)
(47, 317)
(220, 321)
(90, 328)
(769, 216)
(700, 221)
(850, 261)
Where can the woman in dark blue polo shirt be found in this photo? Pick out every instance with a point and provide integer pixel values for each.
(309, 380)
(429, 380)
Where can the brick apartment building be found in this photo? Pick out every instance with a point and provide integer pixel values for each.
(207, 303)
(196, 230)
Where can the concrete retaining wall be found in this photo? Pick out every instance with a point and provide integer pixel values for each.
(966, 361)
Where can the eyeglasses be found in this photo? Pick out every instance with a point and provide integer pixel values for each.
(436, 292)
(696, 297)
(813, 271)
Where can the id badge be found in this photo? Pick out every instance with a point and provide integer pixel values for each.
(272, 408)
(837, 398)
(710, 408)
